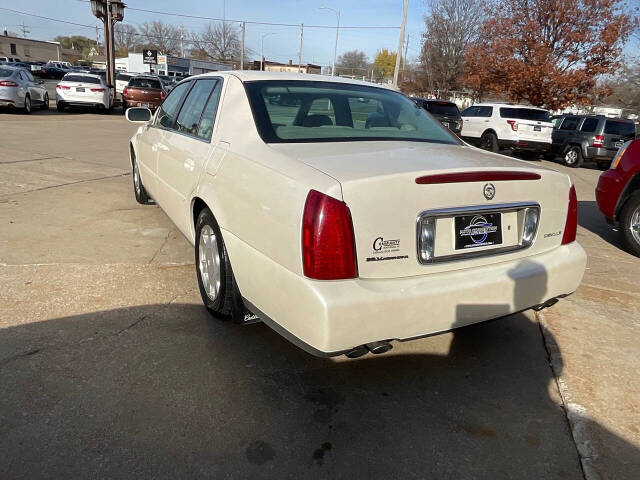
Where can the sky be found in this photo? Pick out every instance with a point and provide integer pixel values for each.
(281, 46)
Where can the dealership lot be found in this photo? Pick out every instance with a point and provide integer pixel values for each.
(111, 367)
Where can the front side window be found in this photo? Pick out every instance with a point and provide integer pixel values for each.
(470, 112)
(191, 111)
(485, 111)
(169, 109)
(27, 74)
(306, 111)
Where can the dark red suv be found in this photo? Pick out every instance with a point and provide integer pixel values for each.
(618, 194)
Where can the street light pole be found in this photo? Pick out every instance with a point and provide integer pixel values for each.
(262, 50)
(335, 48)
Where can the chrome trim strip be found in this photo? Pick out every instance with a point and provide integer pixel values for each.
(453, 211)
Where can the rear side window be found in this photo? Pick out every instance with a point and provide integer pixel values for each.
(169, 108)
(624, 129)
(532, 114)
(191, 111)
(150, 83)
(442, 108)
(123, 77)
(208, 119)
(570, 123)
(5, 72)
(80, 78)
(589, 125)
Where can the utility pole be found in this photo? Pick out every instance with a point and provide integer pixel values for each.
(182, 41)
(406, 48)
(25, 30)
(300, 51)
(400, 39)
(262, 50)
(97, 41)
(242, 48)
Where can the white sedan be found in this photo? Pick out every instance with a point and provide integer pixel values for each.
(345, 217)
(83, 90)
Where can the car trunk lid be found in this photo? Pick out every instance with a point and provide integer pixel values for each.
(378, 181)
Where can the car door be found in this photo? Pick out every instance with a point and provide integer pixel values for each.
(567, 130)
(470, 123)
(36, 90)
(150, 142)
(188, 147)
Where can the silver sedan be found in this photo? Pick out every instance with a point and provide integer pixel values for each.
(18, 89)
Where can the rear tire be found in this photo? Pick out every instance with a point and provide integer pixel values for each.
(573, 157)
(213, 269)
(45, 105)
(138, 188)
(489, 142)
(630, 224)
(27, 105)
(61, 107)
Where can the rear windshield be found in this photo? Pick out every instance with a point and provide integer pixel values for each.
(145, 83)
(6, 72)
(442, 108)
(80, 78)
(619, 128)
(525, 114)
(308, 111)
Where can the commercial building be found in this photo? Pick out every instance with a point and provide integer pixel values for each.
(29, 50)
(286, 67)
(169, 65)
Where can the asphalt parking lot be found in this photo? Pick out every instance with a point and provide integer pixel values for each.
(111, 368)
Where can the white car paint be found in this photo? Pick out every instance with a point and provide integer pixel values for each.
(257, 193)
(89, 90)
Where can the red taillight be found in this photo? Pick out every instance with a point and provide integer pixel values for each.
(63, 87)
(162, 95)
(125, 92)
(571, 225)
(598, 140)
(513, 124)
(97, 89)
(328, 244)
(8, 83)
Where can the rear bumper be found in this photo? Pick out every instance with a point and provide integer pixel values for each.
(134, 103)
(524, 145)
(608, 190)
(82, 102)
(331, 317)
(600, 153)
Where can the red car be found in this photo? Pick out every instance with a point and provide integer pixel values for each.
(618, 194)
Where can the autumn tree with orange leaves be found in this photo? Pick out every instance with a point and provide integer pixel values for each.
(547, 52)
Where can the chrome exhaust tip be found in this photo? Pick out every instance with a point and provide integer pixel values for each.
(379, 347)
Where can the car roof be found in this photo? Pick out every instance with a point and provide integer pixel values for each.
(257, 75)
(508, 105)
(92, 75)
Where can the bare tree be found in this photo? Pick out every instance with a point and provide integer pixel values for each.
(126, 38)
(219, 42)
(161, 36)
(450, 27)
(353, 61)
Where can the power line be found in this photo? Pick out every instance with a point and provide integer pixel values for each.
(46, 18)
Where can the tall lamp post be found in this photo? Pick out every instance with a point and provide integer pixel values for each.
(110, 12)
(262, 49)
(335, 48)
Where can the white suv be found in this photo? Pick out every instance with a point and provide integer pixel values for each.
(495, 126)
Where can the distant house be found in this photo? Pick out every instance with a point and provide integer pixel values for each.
(29, 50)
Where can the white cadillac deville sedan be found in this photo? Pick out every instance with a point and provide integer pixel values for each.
(345, 217)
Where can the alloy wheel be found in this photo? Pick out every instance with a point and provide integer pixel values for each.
(571, 157)
(209, 262)
(136, 177)
(634, 225)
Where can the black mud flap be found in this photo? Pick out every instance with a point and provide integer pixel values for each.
(240, 314)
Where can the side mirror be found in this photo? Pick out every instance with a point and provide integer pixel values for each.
(138, 115)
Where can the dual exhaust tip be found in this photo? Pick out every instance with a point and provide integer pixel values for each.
(376, 348)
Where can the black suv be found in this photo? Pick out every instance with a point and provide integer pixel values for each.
(590, 137)
(445, 112)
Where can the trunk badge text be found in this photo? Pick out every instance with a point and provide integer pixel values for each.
(489, 191)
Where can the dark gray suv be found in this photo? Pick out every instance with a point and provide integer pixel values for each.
(579, 138)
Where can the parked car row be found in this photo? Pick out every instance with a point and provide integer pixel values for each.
(19, 89)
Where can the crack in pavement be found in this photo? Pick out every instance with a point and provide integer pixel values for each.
(18, 356)
(161, 246)
(6, 195)
(32, 160)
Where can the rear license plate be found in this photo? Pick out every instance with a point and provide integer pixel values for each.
(537, 128)
(618, 144)
(479, 230)
(79, 89)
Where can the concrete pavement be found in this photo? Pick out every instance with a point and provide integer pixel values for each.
(111, 367)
